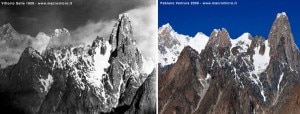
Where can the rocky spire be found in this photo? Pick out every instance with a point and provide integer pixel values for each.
(63, 31)
(98, 42)
(125, 60)
(60, 37)
(122, 31)
(281, 40)
(219, 43)
(219, 38)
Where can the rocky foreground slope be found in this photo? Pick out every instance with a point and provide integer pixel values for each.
(106, 77)
(244, 75)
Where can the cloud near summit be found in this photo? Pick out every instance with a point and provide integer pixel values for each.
(144, 25)
(90, 19)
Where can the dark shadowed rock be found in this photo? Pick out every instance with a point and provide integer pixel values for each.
(144, 101)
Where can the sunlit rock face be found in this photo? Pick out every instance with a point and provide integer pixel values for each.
(244, 75)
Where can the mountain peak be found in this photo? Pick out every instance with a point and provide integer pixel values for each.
(199, 34)
(267, 69)
(97, 41)
(59, 37)
(30, 52)
(215, 32)
(122, 30)
(7, 29)
(123, 16)
(110, 78)
(280, 29)
(219, 38)
(7, 25)
(244, 36)
(124, 19)
(41, 34)
(281, 15)
(58, 32)
(166, 28)
(223, 29)
(281, 40)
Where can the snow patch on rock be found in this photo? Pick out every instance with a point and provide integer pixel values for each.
(46, 83)
(100, 63)
(243, 41)
(280, 79)
(282, 14)
(148, 65)
(261, 62)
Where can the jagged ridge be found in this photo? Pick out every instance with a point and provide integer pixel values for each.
(77, 79)
(243, 75)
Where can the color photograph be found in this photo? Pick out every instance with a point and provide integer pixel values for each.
(228, 57)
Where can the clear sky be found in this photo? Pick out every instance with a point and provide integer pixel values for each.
(253, 16)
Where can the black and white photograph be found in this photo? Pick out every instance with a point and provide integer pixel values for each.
(78, 56)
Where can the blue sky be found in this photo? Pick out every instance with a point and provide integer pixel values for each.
(253, 16)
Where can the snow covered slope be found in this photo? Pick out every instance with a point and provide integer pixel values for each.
(171, 43)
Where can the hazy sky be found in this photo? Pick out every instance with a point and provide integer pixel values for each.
(33, 19)
(85, 19)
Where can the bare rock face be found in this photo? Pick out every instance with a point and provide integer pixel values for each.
(219, 43)
(122, 31)
(101, 78)
(126, 62)
(143, 102)
(220, 38)
(282, 42)
(27, 78)
(179, 88)
(244, 75)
